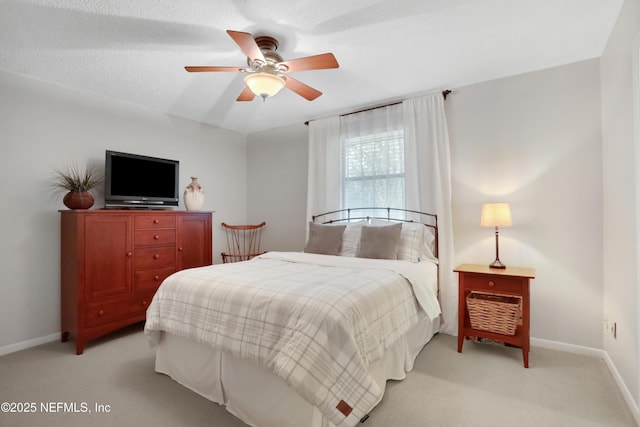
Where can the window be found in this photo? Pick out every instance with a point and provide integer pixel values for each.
(373, 170)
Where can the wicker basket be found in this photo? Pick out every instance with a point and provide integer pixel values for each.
(494, 313)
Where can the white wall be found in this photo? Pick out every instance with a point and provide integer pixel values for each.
(621, 173)
(532, 140)
(45, 127)
(277, 186)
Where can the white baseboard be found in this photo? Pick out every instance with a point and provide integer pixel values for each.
(589, 351)
(633, 406)
(12, 348)
(569, 348)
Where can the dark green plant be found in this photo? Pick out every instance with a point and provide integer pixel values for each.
(76, 179)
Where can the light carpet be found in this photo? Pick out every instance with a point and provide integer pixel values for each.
(114, 383)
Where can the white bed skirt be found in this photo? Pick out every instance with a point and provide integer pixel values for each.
(258, 397)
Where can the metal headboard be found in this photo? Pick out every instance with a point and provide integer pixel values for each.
(388, 214)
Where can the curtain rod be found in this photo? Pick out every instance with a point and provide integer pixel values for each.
(444, 95)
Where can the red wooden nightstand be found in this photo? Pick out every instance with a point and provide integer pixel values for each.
(510, 281)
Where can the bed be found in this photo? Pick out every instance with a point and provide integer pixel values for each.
(304, 339)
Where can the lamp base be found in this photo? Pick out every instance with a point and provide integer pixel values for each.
(497, 264)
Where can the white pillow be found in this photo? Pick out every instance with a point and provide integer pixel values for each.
(351, 238)
(416, 241)
(429, 244)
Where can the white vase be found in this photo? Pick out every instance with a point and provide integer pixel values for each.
(194, 195)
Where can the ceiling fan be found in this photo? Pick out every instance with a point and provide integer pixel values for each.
(267, 72)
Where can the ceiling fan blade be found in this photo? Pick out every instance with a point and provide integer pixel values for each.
(247, 44)
(316, 62)
(200, 69)
(246, 95)
(302, 89)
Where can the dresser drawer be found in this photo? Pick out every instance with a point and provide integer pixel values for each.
(493, 284)
(117, 309)
(154, 257)
(152, 221)
(150, 279)
(154, 237)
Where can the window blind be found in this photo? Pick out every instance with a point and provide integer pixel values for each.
(373, 170)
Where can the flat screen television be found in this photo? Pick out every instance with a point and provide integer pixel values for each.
(136, 181)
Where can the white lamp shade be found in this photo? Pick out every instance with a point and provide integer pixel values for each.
(264, 84)
(496, 215)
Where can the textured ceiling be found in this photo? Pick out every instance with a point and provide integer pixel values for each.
(136, 51)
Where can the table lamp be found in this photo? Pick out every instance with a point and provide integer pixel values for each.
(496, 215)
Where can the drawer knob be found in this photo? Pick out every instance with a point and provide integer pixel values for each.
(156, 256)
(156, 237)
(129, 253)
(180, 249)
(156, 221)
(144, 303)
(101, 313)
(156, 278)
(491, 283)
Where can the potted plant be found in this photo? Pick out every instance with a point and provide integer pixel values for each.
(77, 182)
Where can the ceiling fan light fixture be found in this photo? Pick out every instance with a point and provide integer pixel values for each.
(264, 84)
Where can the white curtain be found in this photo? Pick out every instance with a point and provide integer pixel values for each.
(428, 187)
(323, 184)
(427, 173)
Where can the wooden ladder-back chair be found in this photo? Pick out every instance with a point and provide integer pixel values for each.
(243, 242)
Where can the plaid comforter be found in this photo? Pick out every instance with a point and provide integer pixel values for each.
(316, 321)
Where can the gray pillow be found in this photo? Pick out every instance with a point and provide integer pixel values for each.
(380, 242)
(324, 239)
